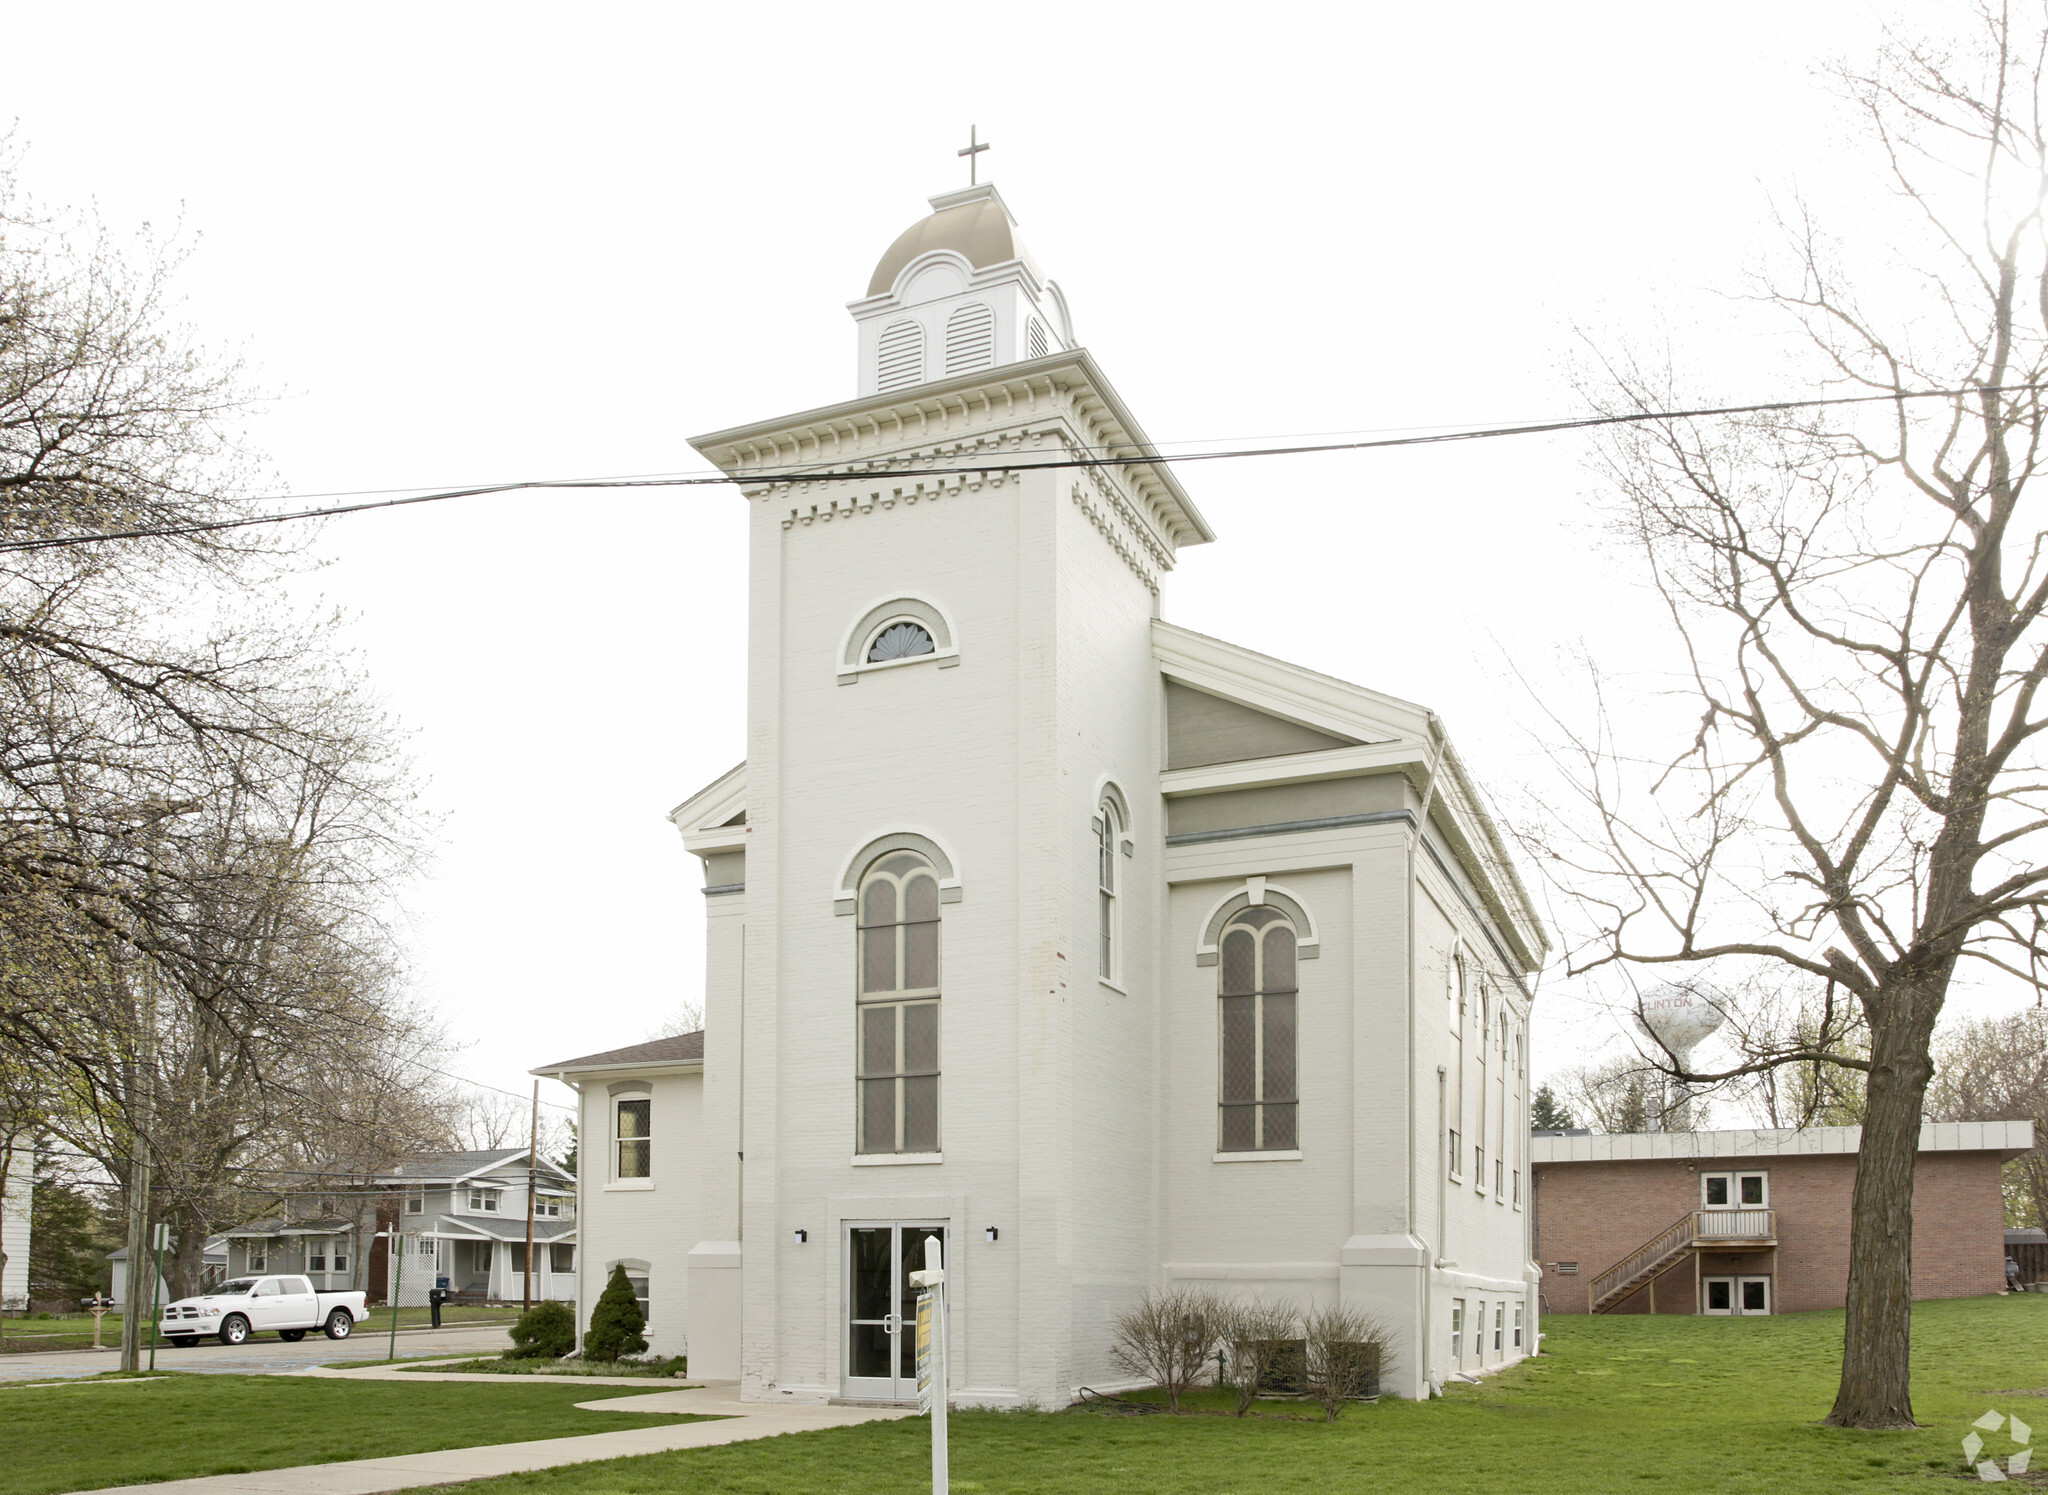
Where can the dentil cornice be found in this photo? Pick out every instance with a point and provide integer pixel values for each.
(872, 452)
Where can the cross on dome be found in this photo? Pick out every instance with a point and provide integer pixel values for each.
(971, 151)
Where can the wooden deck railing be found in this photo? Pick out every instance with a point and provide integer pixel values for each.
(1737, 1225)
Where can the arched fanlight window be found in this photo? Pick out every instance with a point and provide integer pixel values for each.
(897, 1006)
(1109, 835)
(902, 639)
(1256, 1033)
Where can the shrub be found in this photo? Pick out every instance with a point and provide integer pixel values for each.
(1168, 1338)
(1347, 1352)
(616, 1322)
(1261, 1344)
(546, 1331)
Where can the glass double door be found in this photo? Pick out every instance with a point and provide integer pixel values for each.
(881, 1308)
(1735, 1295)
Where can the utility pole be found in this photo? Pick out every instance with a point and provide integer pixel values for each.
(141, 1096)
(532, 1181)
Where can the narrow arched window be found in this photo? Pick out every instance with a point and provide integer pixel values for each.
(899, 361)
(1109, 835)
(1256, 1031)
(897, 1006)
(971, 338)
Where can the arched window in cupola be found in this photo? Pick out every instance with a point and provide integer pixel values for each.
(970, 338)
(1034, 339)
(900, 362)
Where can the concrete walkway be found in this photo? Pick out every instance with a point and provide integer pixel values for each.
(742, 1422)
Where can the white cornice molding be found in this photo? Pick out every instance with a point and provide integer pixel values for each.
(668, 1066)
(1295, 768)
(965, 420)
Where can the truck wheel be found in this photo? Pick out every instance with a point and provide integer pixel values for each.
(184, 1341)
(234, 1329)
(291, 1336)
(340, 1324)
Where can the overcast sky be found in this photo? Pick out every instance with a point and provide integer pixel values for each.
(471, 243)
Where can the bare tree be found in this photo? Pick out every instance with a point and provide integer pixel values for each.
(1168, 1338)
(1256, 1335)
(1347, 1354)
(1620, 1094)
(201, 810)
(1857, 600)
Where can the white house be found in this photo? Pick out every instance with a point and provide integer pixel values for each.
(1115, 955)
(17, 1187)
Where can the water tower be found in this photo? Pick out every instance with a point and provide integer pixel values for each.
(1680, 1016)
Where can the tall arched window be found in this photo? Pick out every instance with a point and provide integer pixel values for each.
(1109, 835)
(897, 1009)
(1256, 1098)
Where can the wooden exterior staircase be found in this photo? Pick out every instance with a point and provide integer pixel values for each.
(1695, 1230)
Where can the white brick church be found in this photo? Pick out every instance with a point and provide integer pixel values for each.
(1117, 955)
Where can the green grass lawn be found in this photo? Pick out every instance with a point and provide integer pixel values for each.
(1636, 1404)
(85, 1437)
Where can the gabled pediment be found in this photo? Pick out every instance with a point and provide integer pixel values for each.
(1322, 711)
(1203, 728)
(715, 817)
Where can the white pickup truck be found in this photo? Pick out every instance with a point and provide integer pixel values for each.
(287, 1306)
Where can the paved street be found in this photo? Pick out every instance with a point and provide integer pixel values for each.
(265, 1354)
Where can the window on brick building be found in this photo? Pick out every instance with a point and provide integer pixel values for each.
(1735, 1190)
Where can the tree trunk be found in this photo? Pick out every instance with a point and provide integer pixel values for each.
(185, 1270)
(1876, 1387)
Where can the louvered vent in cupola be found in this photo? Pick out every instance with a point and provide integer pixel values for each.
(900, 363)
(1034, 339)
(971, 338)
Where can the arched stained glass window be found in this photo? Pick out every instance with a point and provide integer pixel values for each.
(1256, 1099)
(897, 1006)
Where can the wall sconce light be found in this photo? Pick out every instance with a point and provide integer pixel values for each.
(989, 1235)
(801, 1236)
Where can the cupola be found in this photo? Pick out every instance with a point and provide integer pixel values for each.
(955, 293)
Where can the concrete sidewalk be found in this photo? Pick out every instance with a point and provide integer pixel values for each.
(743, 1422)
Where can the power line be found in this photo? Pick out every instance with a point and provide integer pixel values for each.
(1141, 459)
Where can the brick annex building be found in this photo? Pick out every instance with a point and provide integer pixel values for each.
(1746, 1222)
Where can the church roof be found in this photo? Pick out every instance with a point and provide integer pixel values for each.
(972, 223)
(686, 1048)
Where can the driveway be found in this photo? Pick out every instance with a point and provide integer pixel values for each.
(265, 1354)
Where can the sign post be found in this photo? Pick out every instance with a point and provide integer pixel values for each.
(931, 1353)
(156, 1290)
(394, 1272)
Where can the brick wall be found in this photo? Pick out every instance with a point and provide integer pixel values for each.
(1596, 1213)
